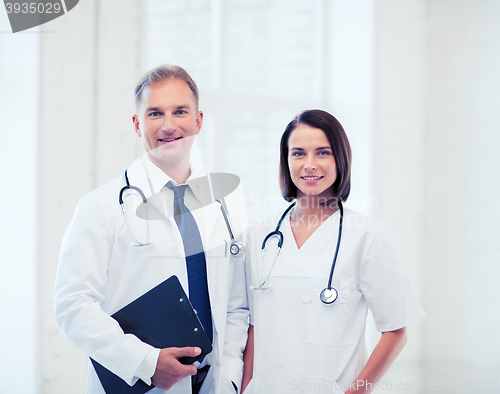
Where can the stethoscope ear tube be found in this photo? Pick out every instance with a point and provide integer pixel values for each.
(120, 197)
(278, 234)
(122, 205)
(128, 187)
(262, 283)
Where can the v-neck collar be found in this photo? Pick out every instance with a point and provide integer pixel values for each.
(324, 233)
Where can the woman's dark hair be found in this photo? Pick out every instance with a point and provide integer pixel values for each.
(340, 146)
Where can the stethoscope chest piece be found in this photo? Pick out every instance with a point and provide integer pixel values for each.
(329, 295)
(237, 249)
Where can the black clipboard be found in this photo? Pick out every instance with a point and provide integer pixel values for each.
(162, 317)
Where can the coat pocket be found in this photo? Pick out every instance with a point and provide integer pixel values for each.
(329, 324)
(219, 261)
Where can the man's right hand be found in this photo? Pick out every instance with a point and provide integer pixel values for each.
(168, 368)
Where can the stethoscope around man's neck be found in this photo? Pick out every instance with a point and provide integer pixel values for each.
(236, 248)
(329, 294)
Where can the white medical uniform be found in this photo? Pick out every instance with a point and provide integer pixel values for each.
(303, 345)
(101, 270)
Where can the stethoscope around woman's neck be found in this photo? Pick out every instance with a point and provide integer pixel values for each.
(329, 294)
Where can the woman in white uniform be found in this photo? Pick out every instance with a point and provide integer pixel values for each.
(297, 342)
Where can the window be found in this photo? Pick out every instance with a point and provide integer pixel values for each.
(257, 64)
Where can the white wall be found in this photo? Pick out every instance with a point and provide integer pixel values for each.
(350, 80)
(89, 65)
(398, 152)
(19, 108)
(462, 191)
(436, 174)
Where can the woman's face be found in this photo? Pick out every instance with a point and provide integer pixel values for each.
(311, 162)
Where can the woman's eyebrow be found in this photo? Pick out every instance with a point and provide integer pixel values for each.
(320, 148)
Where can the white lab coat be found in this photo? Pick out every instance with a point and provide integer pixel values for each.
(100, 271)
(303, 345)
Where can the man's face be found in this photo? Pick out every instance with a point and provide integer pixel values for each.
(167, 122)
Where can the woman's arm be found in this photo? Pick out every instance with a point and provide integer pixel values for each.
(388, 347)
(248, 360)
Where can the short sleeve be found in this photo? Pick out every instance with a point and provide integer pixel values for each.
(386, 285)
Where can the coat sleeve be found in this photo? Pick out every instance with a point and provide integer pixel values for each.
(385, 283)
(81, 287)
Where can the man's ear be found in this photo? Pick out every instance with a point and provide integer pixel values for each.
(135, 120)
(199, 121)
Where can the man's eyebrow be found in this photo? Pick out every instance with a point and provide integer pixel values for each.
(158, 109)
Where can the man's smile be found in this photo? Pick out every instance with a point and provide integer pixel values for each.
(169, 139)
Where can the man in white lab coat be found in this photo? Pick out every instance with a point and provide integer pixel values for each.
(110, 258)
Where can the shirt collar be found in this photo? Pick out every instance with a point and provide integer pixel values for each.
(158, 179)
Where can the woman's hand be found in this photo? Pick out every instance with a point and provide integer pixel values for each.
(388, 347)
(248, 360)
